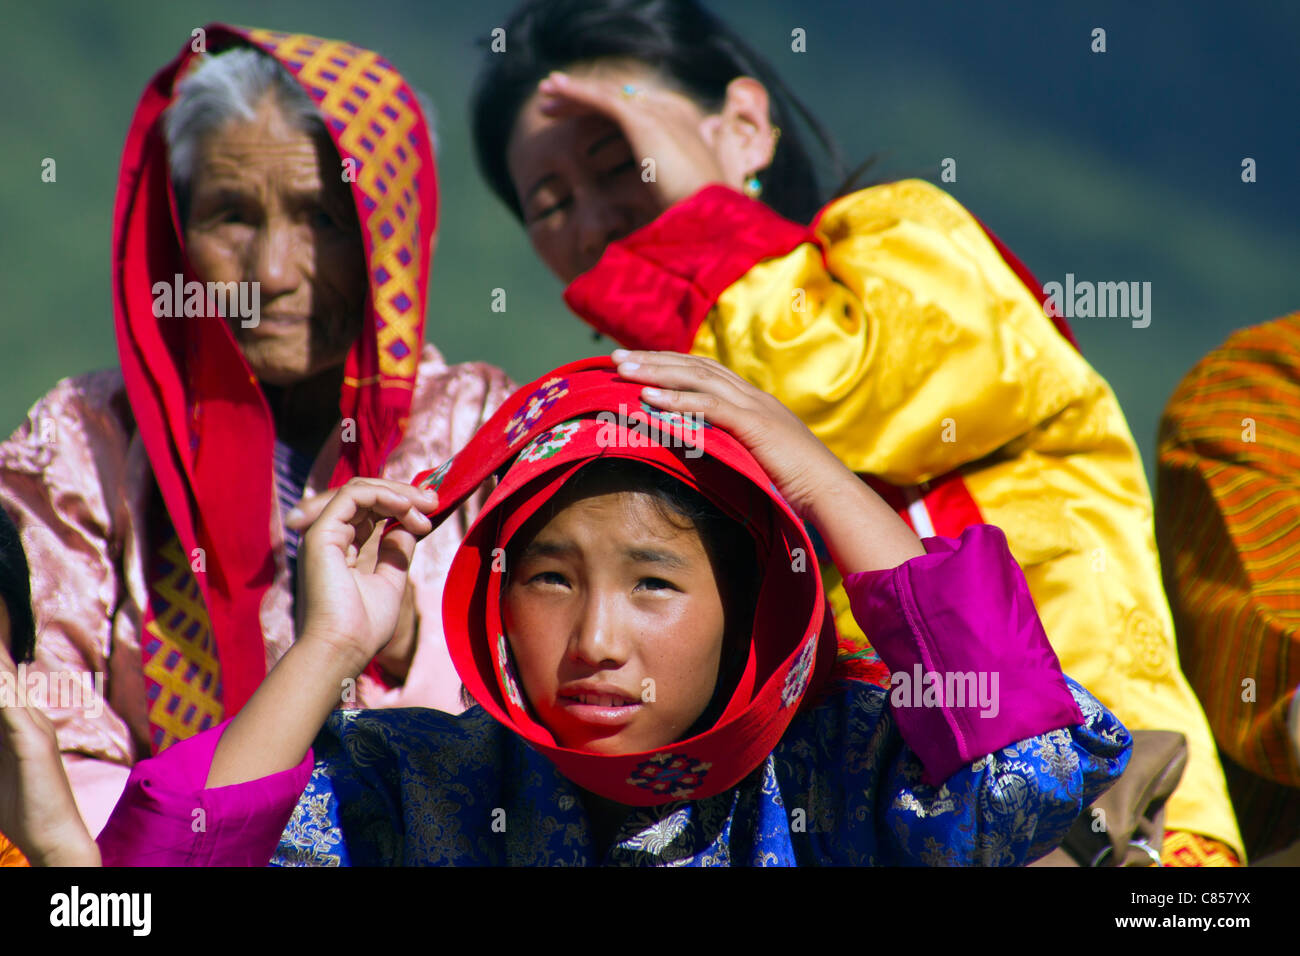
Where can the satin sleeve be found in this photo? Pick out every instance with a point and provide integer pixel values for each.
(900, 337)
(971, 669)
(989, 761)
(893, 327)
(65, 480)
(1009, 807)
(1228, 522)
(168, 817)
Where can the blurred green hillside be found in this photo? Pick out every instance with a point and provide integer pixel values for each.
(1114, 167)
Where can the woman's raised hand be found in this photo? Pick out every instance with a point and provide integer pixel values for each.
(353, 598)
(658, 124)
(861, 531)
(353, 601)
(37, 810)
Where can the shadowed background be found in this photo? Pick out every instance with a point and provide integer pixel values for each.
(1116, 166)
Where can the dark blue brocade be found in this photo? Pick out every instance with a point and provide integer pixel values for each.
(418, 787)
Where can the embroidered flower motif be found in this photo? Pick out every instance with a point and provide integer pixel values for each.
(548, 443)
(652, 834)
(797, 679)
(692, 423)
(310, 836)
(542, 398)
(677, 776)
(508, 672)
(435, 478)
(1059, 758)
(1148, 644)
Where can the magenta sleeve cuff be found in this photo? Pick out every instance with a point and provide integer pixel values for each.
(971, 669)
(168, 817)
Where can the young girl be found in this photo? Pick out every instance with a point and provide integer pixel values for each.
(656, 164)
(636, 615)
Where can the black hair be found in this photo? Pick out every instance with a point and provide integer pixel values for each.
(16, 591)
(690, 47)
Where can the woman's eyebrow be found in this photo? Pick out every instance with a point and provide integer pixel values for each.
(651, 556)
(548, 549)
(634, 555)
(223, 194)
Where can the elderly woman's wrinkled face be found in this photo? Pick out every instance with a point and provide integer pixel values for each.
(269, 205)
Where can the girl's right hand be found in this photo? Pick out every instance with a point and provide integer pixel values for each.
(353, 600)
(352, 607)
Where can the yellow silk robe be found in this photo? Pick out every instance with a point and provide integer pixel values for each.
(900, 335)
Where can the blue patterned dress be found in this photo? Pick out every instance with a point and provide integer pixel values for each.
(418, 787)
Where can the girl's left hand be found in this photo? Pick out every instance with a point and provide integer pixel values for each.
(860, 530)
(800, 466)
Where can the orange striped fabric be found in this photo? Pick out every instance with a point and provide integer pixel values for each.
(10, 855)
(1228, 525)
(1191, 849)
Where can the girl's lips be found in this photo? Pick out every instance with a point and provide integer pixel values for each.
(601, 709)
(600, 700)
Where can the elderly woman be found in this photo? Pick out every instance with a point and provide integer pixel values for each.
(271, 252)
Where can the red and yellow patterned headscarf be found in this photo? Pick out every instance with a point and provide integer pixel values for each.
(204, 422)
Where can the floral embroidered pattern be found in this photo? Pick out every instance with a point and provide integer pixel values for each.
(508, 672)
(548, 443)
(1148, 644)
(435, 478)
(654, 834)
(677, 776)
(797, 680)
(693, 423)
(542, 398)
(419, 787)
(310, 839)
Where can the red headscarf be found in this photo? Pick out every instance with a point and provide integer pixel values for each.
(551, 429)
(201, 414)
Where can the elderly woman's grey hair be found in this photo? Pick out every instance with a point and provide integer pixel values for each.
(226, 86)
(231, 85)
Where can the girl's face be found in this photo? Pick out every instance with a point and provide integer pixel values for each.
(616, 622)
